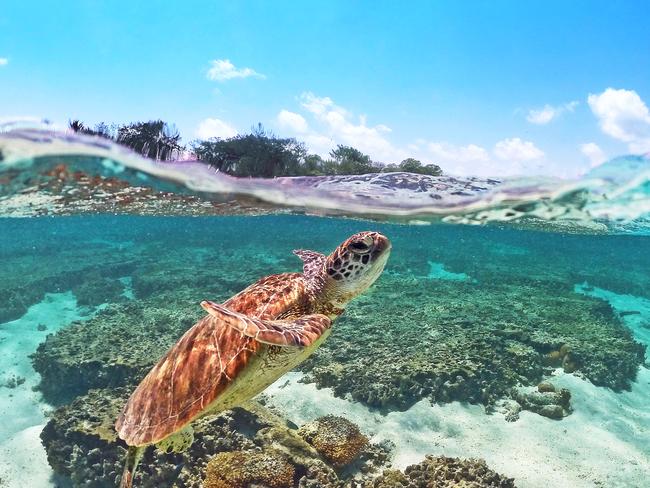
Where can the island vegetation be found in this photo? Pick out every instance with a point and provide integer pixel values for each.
(260, 153)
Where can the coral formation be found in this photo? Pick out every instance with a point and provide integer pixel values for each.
(241, 469)
(546, 401)
(443, 472)
(495, 336)
(410, 338)
(469, 342)
(82, 445)
(336, 439)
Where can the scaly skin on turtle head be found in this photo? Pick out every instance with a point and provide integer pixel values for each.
(354, 266)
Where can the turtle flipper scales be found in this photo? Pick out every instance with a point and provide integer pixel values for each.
(300, 332)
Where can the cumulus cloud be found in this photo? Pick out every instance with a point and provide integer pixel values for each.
(623, 115)
(547, 113)
(593, 153)
(317, 105)
(509, 157)
(209, 128)
(292, 121)
(450, 152)
(338, 124)
(322, 124)
(4, 61)
(223, 70)
(514, 149)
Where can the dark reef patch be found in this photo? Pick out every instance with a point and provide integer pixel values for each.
(452, 340)
(412, 337)
(82, 445)
(443, 472)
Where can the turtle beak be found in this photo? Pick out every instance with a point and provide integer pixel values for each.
(381, 243)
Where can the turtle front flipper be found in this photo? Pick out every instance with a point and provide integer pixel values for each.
(178, 441)
(300, 332)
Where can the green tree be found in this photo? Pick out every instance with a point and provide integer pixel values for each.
(313, 166)
(411, 165)
(154, 139)
(100, 129)
(351, 161)
(259, 154)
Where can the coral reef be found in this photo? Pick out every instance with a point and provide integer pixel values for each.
(443, 472)
(82, 445)
(335, 438)
(411, 337)
(546, 401)
(241, 469)
(449, 340)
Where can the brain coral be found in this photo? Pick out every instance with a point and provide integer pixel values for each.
(239, 469)
(336, 439)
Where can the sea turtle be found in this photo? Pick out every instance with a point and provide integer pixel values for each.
(245, 344)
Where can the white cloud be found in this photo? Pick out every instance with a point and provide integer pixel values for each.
(623, 115)
(450, 152)
(514, 149)
(547, 113)
(316, 105)
(338, 124)
(4, 61)
(292, 121)
(509, 157)
(223, 69)
(209, 128)
(594, 153)
(324, 124)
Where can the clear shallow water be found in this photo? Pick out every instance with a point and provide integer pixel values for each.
(489, 304)
(439, 357)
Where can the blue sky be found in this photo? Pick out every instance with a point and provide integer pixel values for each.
(484, 87)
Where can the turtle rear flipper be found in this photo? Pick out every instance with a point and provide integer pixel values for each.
(133, 456)
(300, 332)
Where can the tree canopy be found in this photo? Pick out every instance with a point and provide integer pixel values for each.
(411, 165)
(259, 153)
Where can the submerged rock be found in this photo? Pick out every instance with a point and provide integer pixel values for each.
(411, 338)
(443, 472)
(458, 341)
(241, 469)
(336, 439)
(548, 403)
(81, 444)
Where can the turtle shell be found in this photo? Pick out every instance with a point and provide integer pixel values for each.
(204, 362)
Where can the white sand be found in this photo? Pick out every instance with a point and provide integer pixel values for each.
(605, 442)
(22, 457)
(437, 271)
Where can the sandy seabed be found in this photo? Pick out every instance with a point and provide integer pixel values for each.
(22, 456)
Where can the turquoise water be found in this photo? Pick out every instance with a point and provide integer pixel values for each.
(521, 342)
(430, 359)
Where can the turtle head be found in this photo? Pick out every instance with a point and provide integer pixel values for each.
(355, 265)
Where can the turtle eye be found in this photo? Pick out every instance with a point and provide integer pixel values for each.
(359, 247)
